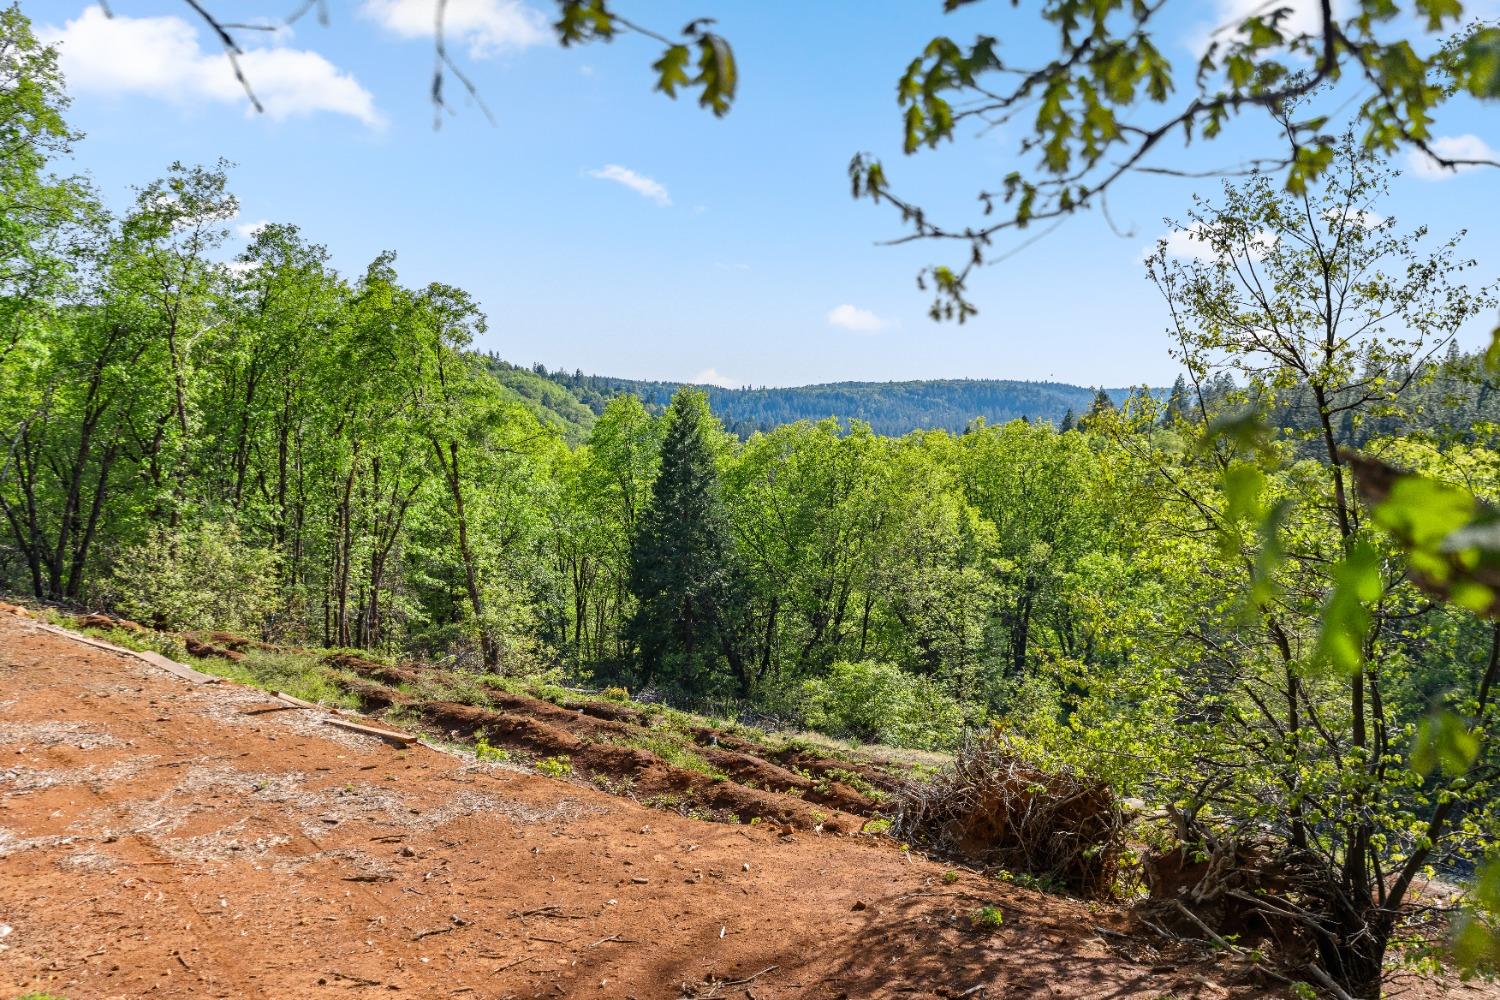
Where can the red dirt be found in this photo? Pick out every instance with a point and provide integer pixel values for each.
(166, 839)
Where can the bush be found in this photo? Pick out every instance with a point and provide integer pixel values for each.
(879, 703)
(201, 577)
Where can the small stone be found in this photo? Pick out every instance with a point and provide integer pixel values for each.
(859, 904)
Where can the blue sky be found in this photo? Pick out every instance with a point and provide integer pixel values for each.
(606, 228)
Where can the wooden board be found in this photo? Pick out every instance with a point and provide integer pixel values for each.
(296, 702)
(182, 670)
(389, 735)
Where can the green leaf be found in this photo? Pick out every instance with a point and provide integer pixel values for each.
(1478, 64)
(671, 69)
(1444, 741)
(1346, 619)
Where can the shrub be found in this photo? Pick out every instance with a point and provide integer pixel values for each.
(555, 767)
(879, 703)
(200, 577)
(616, 694)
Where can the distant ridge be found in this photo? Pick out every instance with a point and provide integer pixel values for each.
(892, 408)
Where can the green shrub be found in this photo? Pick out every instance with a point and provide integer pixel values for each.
(199, 577)
(880, 703)
(556, 767)
(616, 694)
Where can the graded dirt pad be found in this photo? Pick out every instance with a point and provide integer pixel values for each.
(164, 839)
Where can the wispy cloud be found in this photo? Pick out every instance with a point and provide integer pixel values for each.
(487, 27)
(639, 183)
(849, 317)
(1450, 147)
(711, 376)
(164, 58)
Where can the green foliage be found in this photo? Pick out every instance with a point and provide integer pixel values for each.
(987, 918)
(1106, 93)
(206, 576)
(484, 751)
(555, 767)
(879, 703)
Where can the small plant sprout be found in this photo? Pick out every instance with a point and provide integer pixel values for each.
(987, 918)
(950, 876)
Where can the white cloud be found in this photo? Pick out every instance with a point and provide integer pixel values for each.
(639, 183)
(162, 57)
(853, 318)
(485, 26)
(710, 376)
(1188, 244)
(1452, 147)
(1303, 17)
(250, 230)
(1361, 217)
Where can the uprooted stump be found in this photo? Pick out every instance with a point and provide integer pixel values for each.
(992, 808)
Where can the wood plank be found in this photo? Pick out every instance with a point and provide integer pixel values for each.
(182, 670)
(296, 702)
(389, 735)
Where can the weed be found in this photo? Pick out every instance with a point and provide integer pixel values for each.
(950, 876)
(484, 751)
(615, 694)
(674, 751)
(555, 767)
(987, 918)
(877, 826)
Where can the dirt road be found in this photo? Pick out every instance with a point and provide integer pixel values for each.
(160, 838)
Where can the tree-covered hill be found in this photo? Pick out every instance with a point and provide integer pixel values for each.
(570, 400)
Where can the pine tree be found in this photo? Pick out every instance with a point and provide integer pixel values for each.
(1069, 421)
(1177, 403)
(682, 565)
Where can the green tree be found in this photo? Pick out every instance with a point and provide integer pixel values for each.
(683, 572)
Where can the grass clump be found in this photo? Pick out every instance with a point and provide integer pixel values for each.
(676, 752)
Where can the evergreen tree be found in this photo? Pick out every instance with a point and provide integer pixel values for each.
(682, 566)
(1177, 403)
(1069, 421)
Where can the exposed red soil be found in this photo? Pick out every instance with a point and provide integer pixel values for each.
(757, 787)
(165, 839)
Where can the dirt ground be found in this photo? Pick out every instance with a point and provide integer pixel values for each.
(160, 838)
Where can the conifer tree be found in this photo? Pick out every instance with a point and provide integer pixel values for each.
(1177, 403)
(682, 566)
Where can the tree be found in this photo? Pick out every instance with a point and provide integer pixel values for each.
(683, 572)
(1296, 722)
(1177, 403)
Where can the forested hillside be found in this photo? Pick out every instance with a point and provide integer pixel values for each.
(893, 408)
